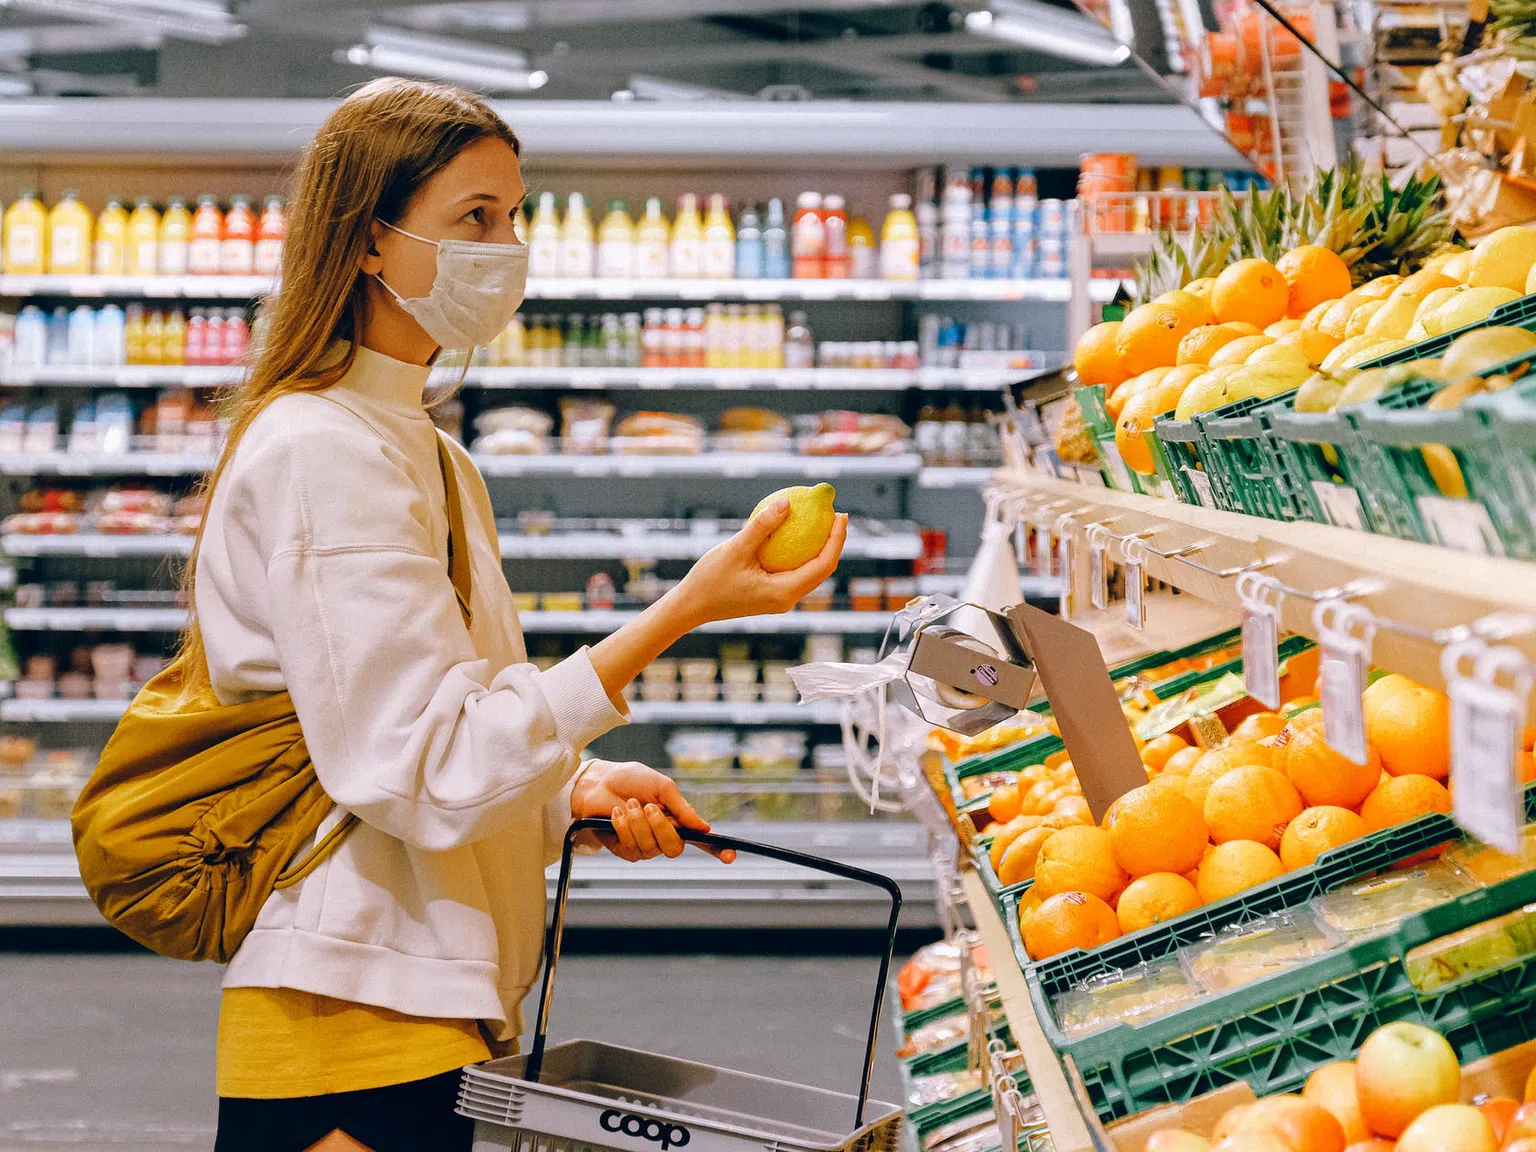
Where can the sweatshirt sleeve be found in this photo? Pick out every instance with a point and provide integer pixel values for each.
(407, 727)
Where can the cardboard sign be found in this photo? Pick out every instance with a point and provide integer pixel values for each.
(1076, 682)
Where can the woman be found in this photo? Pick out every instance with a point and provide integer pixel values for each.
(323, 569)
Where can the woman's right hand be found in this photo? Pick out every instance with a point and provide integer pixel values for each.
(728, 582)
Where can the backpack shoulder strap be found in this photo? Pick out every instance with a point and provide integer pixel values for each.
(459, 566)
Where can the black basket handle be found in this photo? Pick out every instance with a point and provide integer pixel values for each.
(556, 931)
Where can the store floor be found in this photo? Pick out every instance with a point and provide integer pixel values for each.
(114, 1051)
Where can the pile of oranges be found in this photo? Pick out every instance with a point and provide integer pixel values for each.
(1214, 822)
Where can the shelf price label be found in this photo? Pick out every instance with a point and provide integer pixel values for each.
(1488, 713)
(1345, 633)
(1135, 574)
(1098, 574)
(1260, 597)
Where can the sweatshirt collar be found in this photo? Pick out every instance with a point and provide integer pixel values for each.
(389, 381)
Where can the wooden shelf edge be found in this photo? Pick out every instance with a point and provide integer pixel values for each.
(1428, 588)
(1069, 1131)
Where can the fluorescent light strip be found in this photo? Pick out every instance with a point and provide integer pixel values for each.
(384, 59)
(1028, 32)
(206, 23)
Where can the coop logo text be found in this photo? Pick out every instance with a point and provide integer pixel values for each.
(644, 1128)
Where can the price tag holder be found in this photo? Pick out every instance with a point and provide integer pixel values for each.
(1460, 524)
(1201, 483)
(1045, 554)
(1098, 581)
(1345, 634)
(1487, 718)
(1340, 504)
(1260, 597)
(1071, 569)
(1134, 573)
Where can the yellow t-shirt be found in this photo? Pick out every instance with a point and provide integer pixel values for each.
(276, 1043)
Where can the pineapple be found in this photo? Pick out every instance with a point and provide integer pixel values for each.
(1177, 259)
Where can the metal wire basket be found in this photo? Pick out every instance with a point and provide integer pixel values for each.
(586, 1095)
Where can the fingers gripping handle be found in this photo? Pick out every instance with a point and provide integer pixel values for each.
(556, 931)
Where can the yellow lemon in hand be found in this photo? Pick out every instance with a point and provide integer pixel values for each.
(804, 533)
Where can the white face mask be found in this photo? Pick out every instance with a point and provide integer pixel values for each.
(477, 289)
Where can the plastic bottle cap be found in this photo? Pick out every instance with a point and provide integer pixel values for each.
(901, 201)
(618, 206)
(809, 200)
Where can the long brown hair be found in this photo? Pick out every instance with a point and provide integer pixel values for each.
(372, 154)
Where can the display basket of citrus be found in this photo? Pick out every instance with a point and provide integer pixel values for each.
(1512, 418)
(1101, 430)
(1177, 455)
(1315, 1006)
(1245, 463)
(1444, 477)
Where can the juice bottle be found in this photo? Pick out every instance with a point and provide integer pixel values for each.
(718, 257)
(154, 338)
(776, 264)
(616, 243)
(544, 238)
(133, 335)
(237, 337)
(808, 238)
(653, 238)
(749, 246)
(686, 255)
(899, 244)
(863, 262)
(26, 236)
(213, 337)
(112, 239)
(205, 238)
(835, 224)
(174, 342)
(577, 249)
(194, 346)
(143, 239)
(174, 255)
(69, 237)
(237, 250)
(270, 230)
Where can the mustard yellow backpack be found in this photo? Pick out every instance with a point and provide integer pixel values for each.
(198, 811)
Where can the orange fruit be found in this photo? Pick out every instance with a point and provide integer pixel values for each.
(1204, 342)
(1312, 274)
(1096, 359)
(1149, 336)
(1235, 867)
(1194, 305)
(1401, 798)
(1115, 402)
(1200, 287)
(1160, 749)
(1079, 860)
(1153, 898)
(1029, 904)
(1229, 1121)
(1254, 1140)
(1333, 1087)
(1182, 761)
(1251, 290)
(1069, 920)
(1315, 831)
(1153, 829)
(1072, 809)
(1217, 763)
(1007, 834)
(1323, 775)
(1303, 1125)
(1144, 406)
(1259, 726)
(1003, 804)
(1020, 859)
(1251, 803)
(1177, 1140)
(1409, 725)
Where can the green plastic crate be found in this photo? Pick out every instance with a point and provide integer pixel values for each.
(1512, 420)
(1274, 1032)
(1488, 519)
(1176, 446)
(1316, 450)
(1244, 461)
(1101, 430)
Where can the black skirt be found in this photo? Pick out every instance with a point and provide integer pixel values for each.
(413, 1117)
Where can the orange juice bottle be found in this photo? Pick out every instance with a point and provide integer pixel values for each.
(154, 338)
(175, 238)
(70, 225)
(26, 236)
(269, 237)
(237, 250)
(143, 239)
(173, 344)
(133, 335)
(686, 252)
(112, 239)
(206, 238)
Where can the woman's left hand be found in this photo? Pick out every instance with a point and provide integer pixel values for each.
(644, 805)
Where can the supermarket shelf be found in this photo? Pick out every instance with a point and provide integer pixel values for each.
(40, 882)
(1426, 589)
(121, 376)
(247, 287)
(596, 621)
(103, 464)
(726, 464)
(954, 477)
(55, 711)
(559, 546)
(1118, 249)
(1069, 1131)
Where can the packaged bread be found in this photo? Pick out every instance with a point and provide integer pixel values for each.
(584, 425)
(841, 433)
(669, 433)
(753, 430)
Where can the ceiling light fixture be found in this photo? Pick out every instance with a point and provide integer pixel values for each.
(204, 21)
(440, 58)
(1048, 30)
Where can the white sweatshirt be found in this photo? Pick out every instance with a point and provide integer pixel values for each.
(324, 571)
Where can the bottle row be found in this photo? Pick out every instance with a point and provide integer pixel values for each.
(113, 423)
(68, 240)
(110, 336)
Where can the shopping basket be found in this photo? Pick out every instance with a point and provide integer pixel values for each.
(586, 1095)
